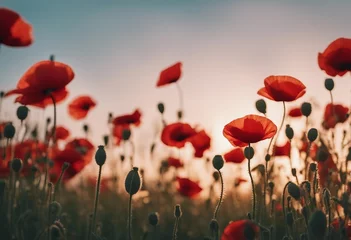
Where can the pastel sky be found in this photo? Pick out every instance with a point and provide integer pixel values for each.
(117, 49)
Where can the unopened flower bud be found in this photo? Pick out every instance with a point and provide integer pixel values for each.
(267, 157)
(22, 112)
(16, 165)
(100, 156)
(161, 107)
(133, 181)
(312, 134)
(218, 162)
(249, 152)
(86, 128)
(306, 109)
(180, 114)
(329, 84)
(289, 132)
(317, 224)
(215, 176)
(126, 133)
(293, 172)
(271, 185)
(313, 167)
(106, 140)
(294, 191)
(9, 131)
(261, 106)
(322, 154)
(52, 57)
(214, 225)
(177, 211)
(153, 218)
(55, 208)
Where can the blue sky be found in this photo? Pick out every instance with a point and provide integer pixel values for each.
(117, 50)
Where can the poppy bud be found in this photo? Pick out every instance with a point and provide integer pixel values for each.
(110, 118)
(152, 148)
(9, 131)
(122, 157)
(293, 172)
(261, 106)
(16, 165)
(100, 156)
(177, 211)
(312, 134)
(55, 208)
(322, 154)
(22, 112)
(86, 128)
(215, 176)
(126, 134)
(52, 57)
(34, 133)
(318, 224)
(214, 225)
(249, 152)
(180, 114)
(271, 185)
(267, 157)
(2, 94)
(106, 140)
(218, 162)
(289, 132)
(153, 218)
(65, 166)
(313, 167)
(329, 84)
(48, 120)
(294, 190)
(289, 219)
(306, 109)
(161, 107)
(133, 181)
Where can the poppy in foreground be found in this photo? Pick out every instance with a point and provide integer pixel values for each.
(42, 82)
(170, 75)
(188, 188)
(235, 156)
(249, 129)
(336, 58)
(80, 107)
(334, 114)
(241, 230)
(14, 30)
(282, 88)
(177, 134)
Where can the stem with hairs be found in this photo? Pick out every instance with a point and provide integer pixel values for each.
(221, 196)
(253, 188)
(96, 201)
(175, 229)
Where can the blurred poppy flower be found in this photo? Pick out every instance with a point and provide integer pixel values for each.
(240, 229)
(117, 132)
(61, 133)
(80, 107)
(177, 134)
(82, 146)
(295, 112)
(336, 225)
(104, 182)
(170, 75)
(235, 156)
(334, 114)
(336, 58)
(282, 88)
(188, 188)
(282, 151)
(128, 119)
(325, 168)
(201, 142)
(239, 181)
(14, 30)
(249, 129)
(29, 149)
(43, 79)
(174, 162)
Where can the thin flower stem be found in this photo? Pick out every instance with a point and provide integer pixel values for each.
(253, 189)
(221, 196)
(130, 217)
(175, 229)
(53, 132)
(181, 98)
(96, 199)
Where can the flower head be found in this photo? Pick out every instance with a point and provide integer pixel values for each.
(177, 134)
(187, 187)
(80, 107)
(170, 75)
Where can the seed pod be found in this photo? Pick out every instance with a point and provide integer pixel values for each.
(180, 114)
(249, 152)
(329, 84)
(215, 176)
(161, 107)
(16, 165)
(133, 181)
(106, 139)
(267, 157)
(261, 106)
(86, 128)
(318, 224)
(177, 211)
(22, 112)
(271, 185)
(126, 134)
(312, 134)
(153, 218)
(9, 131)
(293, 172)
(218, 162)
(55, 208)
(214, 225)
(289, 132)
(306, 109)
(100, 156)
(313, 167)
(294, 191)
(322, 154)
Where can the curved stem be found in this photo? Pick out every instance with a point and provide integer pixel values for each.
(96, 199)
(253, 189)
(130, 217)
(53, 131)
(175, 229)
(221, 196)
(181, 99)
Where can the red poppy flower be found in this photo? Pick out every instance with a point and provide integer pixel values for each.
(239, 181)
(177, 134)
(283, 151)
(104, 182)
(83, 146)
(61, 133)
(334, 114)
(295, 112)
(188, 188)
(282, 88)
(336, 58)
(201, 142)
(170, 75)
(14, 30)
(117, 133)
(175, 162)
(324, 170)
(235, 156)
(249, 129)
(41, 80)
(241, 229)
(80, 106)
(128, 119)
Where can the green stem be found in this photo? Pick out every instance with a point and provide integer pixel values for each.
(253, 189)
(96, 199)
(221, 196)
(53, 133)
(130, 217)
(175, 229)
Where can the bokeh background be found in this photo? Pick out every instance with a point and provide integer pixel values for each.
(117, 49)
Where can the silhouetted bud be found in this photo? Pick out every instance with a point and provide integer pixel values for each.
(312, 134)
(293, 172)
(52, 57)
(313, 167)
(122, 157)
(48, 120)
(322, 154)
(261, 106)
(16, 165)
(161, 107)
(86, 128)
(9, 131)
(249, 152)
(133, 181)
(289, 132)
(180, 114)
(294, 190)
(214, 225)
(267, 157)
(317, 224)
(329, 84)
(215, 176)
(106, 139)
(100, 156)
(2, 94)
(126, 134)
(22, 112)
(218, 162)
(55, 208)
(177, 211)
(306, 109)
(271, 185)
(289, 219)
(153, 218)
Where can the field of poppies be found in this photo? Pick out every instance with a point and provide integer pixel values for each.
(46, 191)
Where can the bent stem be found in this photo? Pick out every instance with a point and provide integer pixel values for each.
(283, 205)
(175, 229)
(253, 188)
(96, 200)
(221, 196)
